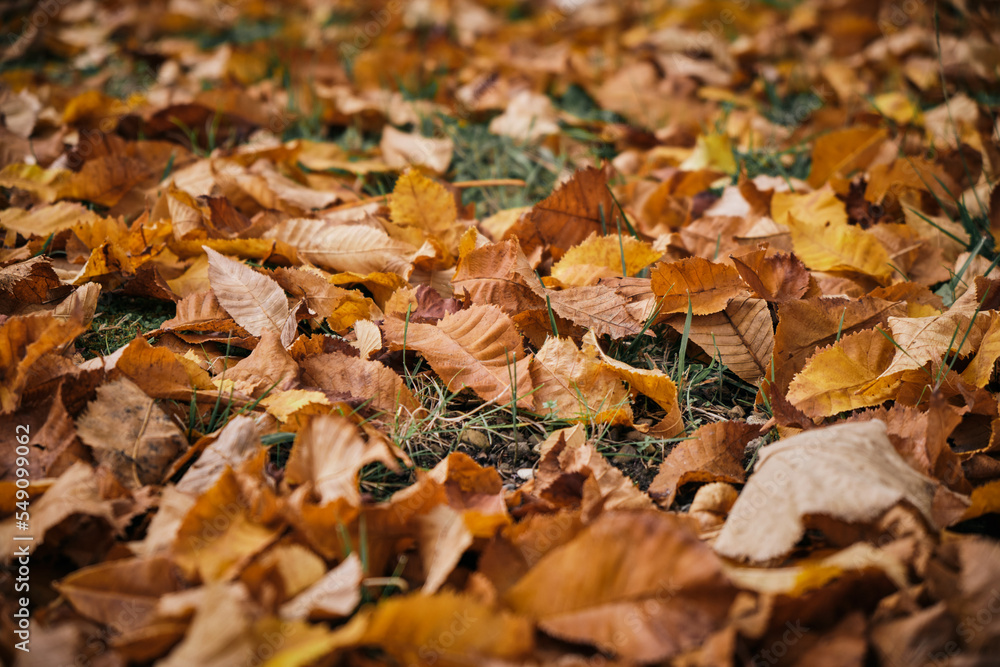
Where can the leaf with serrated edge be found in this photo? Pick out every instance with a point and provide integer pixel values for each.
(254, 300)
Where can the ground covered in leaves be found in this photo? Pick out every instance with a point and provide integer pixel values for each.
(499, 333)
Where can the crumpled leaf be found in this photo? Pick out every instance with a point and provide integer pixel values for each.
(713, 453)
(575, 384)
(330, 452)
(848, 472)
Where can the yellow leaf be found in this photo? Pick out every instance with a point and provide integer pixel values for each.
(419, 202)
(843, 151)
(834, 376)
(601, 257)
(839, 247)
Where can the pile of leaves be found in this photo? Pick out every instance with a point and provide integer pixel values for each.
(712, 286)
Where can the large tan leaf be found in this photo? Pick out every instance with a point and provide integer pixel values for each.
(254, 300)
(356, 248)
(713, 453)
(741, 336)
(643, 587)
(478, 348)
(707, 285)
(847, 472)
(567, 216)
(575, 384)
(834, 376)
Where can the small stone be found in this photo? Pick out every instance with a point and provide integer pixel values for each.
(626, 454)
(526, 474)
(477, 439)
(635, 436)
(519, 450)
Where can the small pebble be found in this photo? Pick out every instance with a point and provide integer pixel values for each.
(475, 438)
(519, 450)
(626, 454)
(526, 474)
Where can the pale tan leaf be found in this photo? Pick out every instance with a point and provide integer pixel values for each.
(847, 472)
(369, 338)
(357, 248)
(254, 300)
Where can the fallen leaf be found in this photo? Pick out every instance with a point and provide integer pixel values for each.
(848, 472)
(255, 301)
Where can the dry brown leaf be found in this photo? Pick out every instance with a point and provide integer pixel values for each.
(740, 336)
(23, 341)
(644, 587)
(705, 285)
(776, 278)
(478, 348)
(567, 216)
(130, 434)
(366, 382)
(713, 453)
